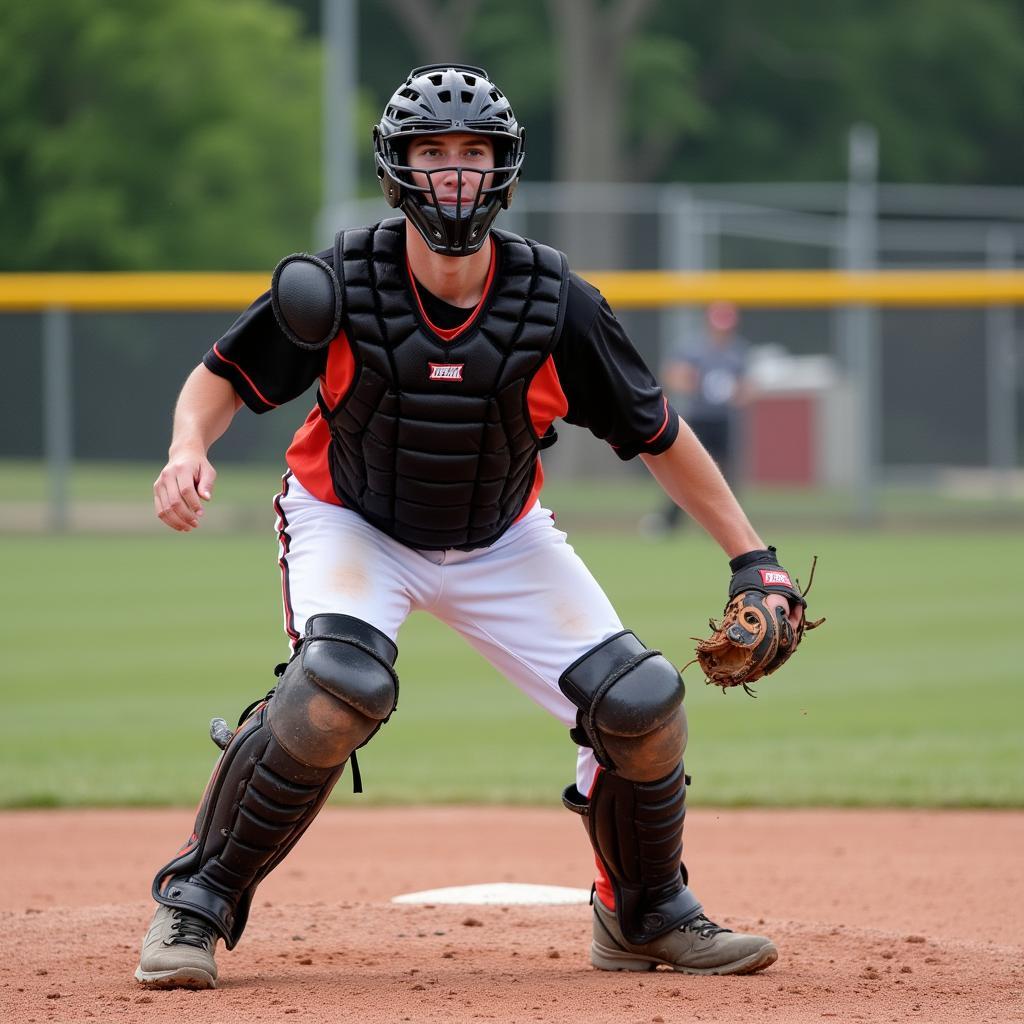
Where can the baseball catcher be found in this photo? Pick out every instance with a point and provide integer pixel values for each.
(443, 350)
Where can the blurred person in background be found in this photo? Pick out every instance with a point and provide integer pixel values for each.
(444, 352)
(708, 381)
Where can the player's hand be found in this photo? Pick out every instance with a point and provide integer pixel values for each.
(794, 611)
(182, 487)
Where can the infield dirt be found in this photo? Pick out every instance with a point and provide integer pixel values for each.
(878, 915)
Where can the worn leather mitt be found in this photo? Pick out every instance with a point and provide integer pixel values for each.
(753, 640)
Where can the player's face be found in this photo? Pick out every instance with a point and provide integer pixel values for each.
(453, 166)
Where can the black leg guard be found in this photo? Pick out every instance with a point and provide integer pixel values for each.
(334, 695)
(630, 712)
(256, 807)
(636, 829)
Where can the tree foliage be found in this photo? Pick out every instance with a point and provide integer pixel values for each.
(744, 90)
(781, 84)
(144, 134)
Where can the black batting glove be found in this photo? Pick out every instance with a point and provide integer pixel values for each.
(760, 570)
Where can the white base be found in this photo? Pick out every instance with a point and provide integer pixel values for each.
(498, 894)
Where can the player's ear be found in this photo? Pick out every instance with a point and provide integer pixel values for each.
(306, 297)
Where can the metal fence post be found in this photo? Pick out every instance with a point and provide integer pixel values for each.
(340, 85)
(1001, 373)
(859, 327)
(57, 412)
(681, 247)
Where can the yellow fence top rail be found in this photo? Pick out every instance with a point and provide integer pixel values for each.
(117, 291)
(623, 289)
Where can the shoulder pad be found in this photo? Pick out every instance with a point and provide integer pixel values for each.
(306, 298)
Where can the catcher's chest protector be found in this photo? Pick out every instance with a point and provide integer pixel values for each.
(433, 442)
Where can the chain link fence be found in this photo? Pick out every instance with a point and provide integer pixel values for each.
(923, 397)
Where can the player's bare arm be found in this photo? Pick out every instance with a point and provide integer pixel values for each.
(204, 411)
(689, 476)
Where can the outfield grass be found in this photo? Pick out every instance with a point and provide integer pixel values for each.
(118, 650)
(615, 502)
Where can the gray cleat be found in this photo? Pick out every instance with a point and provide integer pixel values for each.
(177, 951)
(698, 947)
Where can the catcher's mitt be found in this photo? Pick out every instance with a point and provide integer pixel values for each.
(753, 640)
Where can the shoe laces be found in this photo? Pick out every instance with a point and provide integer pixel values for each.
(190, 930)
(705, 928)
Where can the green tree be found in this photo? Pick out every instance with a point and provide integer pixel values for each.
(145, 134)
(782, 83)
(736, 90)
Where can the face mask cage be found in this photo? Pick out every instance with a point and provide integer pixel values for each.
(453, 228)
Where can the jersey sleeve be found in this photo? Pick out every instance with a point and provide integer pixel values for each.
(605, 380)
(263, 366)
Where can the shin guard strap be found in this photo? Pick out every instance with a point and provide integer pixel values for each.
(197, 899)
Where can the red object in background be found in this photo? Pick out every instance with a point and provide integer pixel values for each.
(781, 438)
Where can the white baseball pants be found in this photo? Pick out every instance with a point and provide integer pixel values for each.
(527, 603)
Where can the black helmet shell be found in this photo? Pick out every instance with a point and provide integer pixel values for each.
(433, 100)
(445, 98)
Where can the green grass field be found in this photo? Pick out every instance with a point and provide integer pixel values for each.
(117, 650)
(615, 502)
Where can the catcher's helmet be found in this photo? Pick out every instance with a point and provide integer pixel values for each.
(434, 100)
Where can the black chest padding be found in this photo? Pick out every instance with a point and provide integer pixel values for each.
(433, 442)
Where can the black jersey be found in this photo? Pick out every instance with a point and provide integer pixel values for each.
(594, 378)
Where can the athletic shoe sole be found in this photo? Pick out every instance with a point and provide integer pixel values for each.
(181, 977)
(605, 959)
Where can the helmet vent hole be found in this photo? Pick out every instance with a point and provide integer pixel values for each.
(445, 95)
(467, 96)
(436, 79)
(409, 94)
(469, 80)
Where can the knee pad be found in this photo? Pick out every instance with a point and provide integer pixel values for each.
(336, 692)
(629, 698)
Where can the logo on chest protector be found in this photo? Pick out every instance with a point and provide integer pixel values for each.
(446, 371)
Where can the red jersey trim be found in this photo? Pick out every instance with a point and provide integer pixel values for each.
(451, 333)
(661, 430)
(307, 454)
(285, 540)
(262, 397)
(664, 423)
(546, 402)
